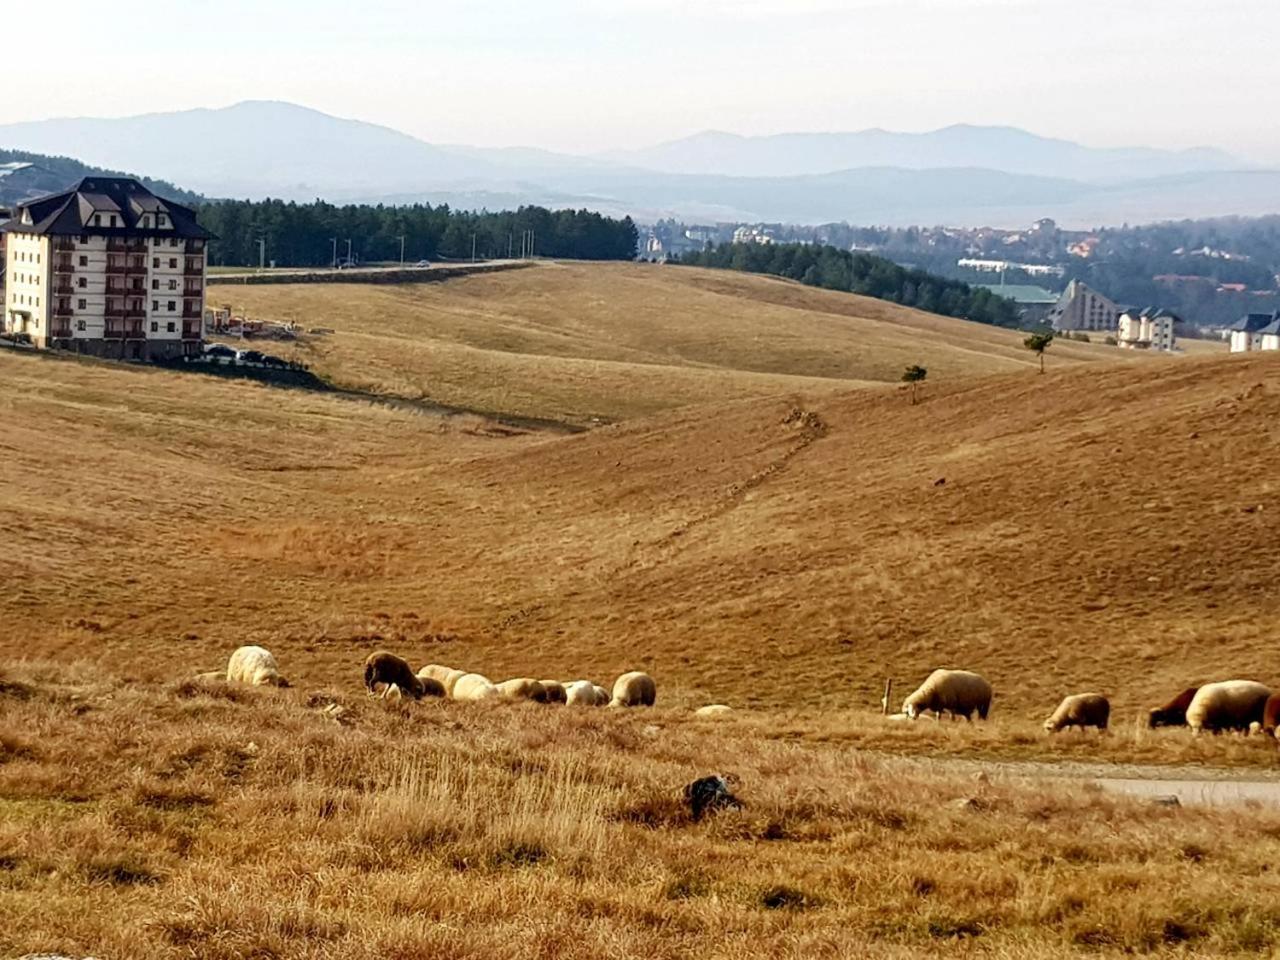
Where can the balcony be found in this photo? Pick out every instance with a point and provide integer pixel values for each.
(192, 313)
(60, 333)
(195, 246)
(116, 245)
(116, 266)
(63, 311)
(124, 331)
(63, 265)
(194, 268)
(136, 266)
(191, 331)
(64, 288)
(64, 244)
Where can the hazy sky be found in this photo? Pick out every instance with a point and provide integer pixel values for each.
(587, 75)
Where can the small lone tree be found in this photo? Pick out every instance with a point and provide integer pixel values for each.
(1039, 343)
(914, 375)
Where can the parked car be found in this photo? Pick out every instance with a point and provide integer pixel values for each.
(423, 263)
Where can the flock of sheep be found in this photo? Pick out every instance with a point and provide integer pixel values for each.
(1240, 705)
(390, 677)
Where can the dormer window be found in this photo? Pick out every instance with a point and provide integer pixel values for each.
(97, 219)
(26, 216)
(162, 220)
(113, 219)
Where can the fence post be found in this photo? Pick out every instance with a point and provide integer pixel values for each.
(888, 692)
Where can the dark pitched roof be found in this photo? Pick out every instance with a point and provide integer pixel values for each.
(71, 213)
(1253, 322)
(1273, 327)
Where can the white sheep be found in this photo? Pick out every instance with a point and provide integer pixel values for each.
(1229, 705)
(580, 693)
(713, 711)
(255, 666)
(958, 692)
(474, 686)
(1081, 710)
(634, 689)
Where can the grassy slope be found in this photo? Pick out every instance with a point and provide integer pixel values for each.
(1092, 532)
(575, 341)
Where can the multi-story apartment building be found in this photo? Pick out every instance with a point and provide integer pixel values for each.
(106, 268)
(1151, 329)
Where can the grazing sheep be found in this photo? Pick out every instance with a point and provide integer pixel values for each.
(523, 688)
(451, 680)
(602, 695)
(634, 689)
(386, 668)
(958, 692)
(474, 686)
(1229, 705)
(1082, 710)
(713, 711)
(1271, 714)
(709, 794)
(437, 672)
(554, 689)
(1173, 713)
(580, 693)
(256, 666)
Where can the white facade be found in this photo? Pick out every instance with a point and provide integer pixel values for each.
(1145, 331)
(1242, 341)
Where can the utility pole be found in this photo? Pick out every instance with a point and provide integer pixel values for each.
(510, 240)
(348, 251)
(402, 250)
(262, 253)
(335, 252)
(473, 248)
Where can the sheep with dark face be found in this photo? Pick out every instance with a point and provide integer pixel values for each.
(554, 690)
(385, 668)
(1082, 710)
(709, 794)
(958, 692)
(1173, 713)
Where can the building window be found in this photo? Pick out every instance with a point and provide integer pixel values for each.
(172, 306)
(82, 304)
(84, 238)
(173, 263)
(169, 326)
(173, 284)
(84, 261)
(155, 284)
(164, 221)
(173, 241)
(155, 327)
(113, 219)
(155, 263)
(155, 305)
(97, 219)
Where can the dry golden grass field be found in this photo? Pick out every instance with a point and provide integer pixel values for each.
(578, 342)
(781, 540)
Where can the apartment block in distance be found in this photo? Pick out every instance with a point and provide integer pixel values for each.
(1082, 308)
(1150, 329)
(106, 268)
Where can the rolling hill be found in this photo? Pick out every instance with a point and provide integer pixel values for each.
(785, 546)
(578, 343)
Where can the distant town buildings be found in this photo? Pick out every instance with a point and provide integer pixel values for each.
(756, 234)
(1149, 329)
(1082, 308)
(1000, 266)
(106, 268)
(1034, 303)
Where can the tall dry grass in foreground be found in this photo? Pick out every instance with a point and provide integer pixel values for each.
(204, 821)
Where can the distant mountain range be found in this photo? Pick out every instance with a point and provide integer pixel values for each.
(961, 175)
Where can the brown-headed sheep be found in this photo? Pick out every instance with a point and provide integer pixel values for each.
(1271, 714)
(523, 688)
(635, 689)
(474, 686)
(1173, 713)
(554, 689)
(256, 666)
(386, 668)
(1082, 710)
(958, 692)
(1229, 705)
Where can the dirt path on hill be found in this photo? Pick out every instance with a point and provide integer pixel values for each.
(1190, 785)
